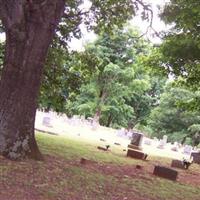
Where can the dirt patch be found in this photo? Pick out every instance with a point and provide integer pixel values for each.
(190, 176)
(53, 180)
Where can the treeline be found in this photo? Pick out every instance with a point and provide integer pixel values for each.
(121, 80)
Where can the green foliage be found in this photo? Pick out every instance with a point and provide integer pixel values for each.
(112, 79)
(181, 47)
(61, 77)
(65, 72)
(169, 117)
(117, 79)
(61, 71)
(100, 16)
(194, 131)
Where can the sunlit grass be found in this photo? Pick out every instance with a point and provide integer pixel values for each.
(97, 183)
(61, 176)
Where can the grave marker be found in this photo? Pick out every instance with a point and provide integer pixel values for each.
(196, 157)
(177, 164)
(47, 121)
(165, 172)
(136, 154)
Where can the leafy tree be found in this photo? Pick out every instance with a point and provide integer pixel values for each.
(113, 74)
(145, 95)
(194, 131)
(120, 92)
(169, 117)
(30, 27)
(62, 76)
(180, 51)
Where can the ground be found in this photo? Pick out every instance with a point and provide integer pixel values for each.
(104, 175)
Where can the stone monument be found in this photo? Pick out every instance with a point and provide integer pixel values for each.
(136, 141)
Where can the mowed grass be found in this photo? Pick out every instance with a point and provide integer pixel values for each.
(112, 176)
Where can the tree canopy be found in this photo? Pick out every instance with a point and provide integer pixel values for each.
(181, 48)
(120, 90)
(30, 27)
(171, 118)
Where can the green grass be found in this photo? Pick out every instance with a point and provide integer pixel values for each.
(61, 176)
(96, 183)
(74, 150)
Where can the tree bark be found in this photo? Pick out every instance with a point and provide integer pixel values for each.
(102, 97)
(109, 120)
(29, 26)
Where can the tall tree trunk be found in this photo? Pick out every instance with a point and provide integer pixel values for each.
(183, 140)
(110, 118)
(102, 97)
(30, 26)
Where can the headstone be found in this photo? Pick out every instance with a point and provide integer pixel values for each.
(165, 172)
(177, 164)
(136, 139)
(187, 150)
(106, 148)
(47, 121)
(196, 157)
(161, 144)
(165, 139)
(147, 142)
(174, 148)
(136, 154)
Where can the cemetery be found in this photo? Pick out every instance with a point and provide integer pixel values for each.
(145, 152)
(132, 140)
(99, 100)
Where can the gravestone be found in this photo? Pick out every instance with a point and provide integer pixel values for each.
(161, 144)
(177, 164)
(136, 141)
(196, 157)
(187, 150)
(174, 148)
(136, 154)
(165, 139)
(106, 148)
(147, 142)
(165, 172)
(47, 121)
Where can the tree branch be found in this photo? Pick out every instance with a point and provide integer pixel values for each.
(147, 8)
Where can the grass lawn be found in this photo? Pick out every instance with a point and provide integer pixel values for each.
(105, 176)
